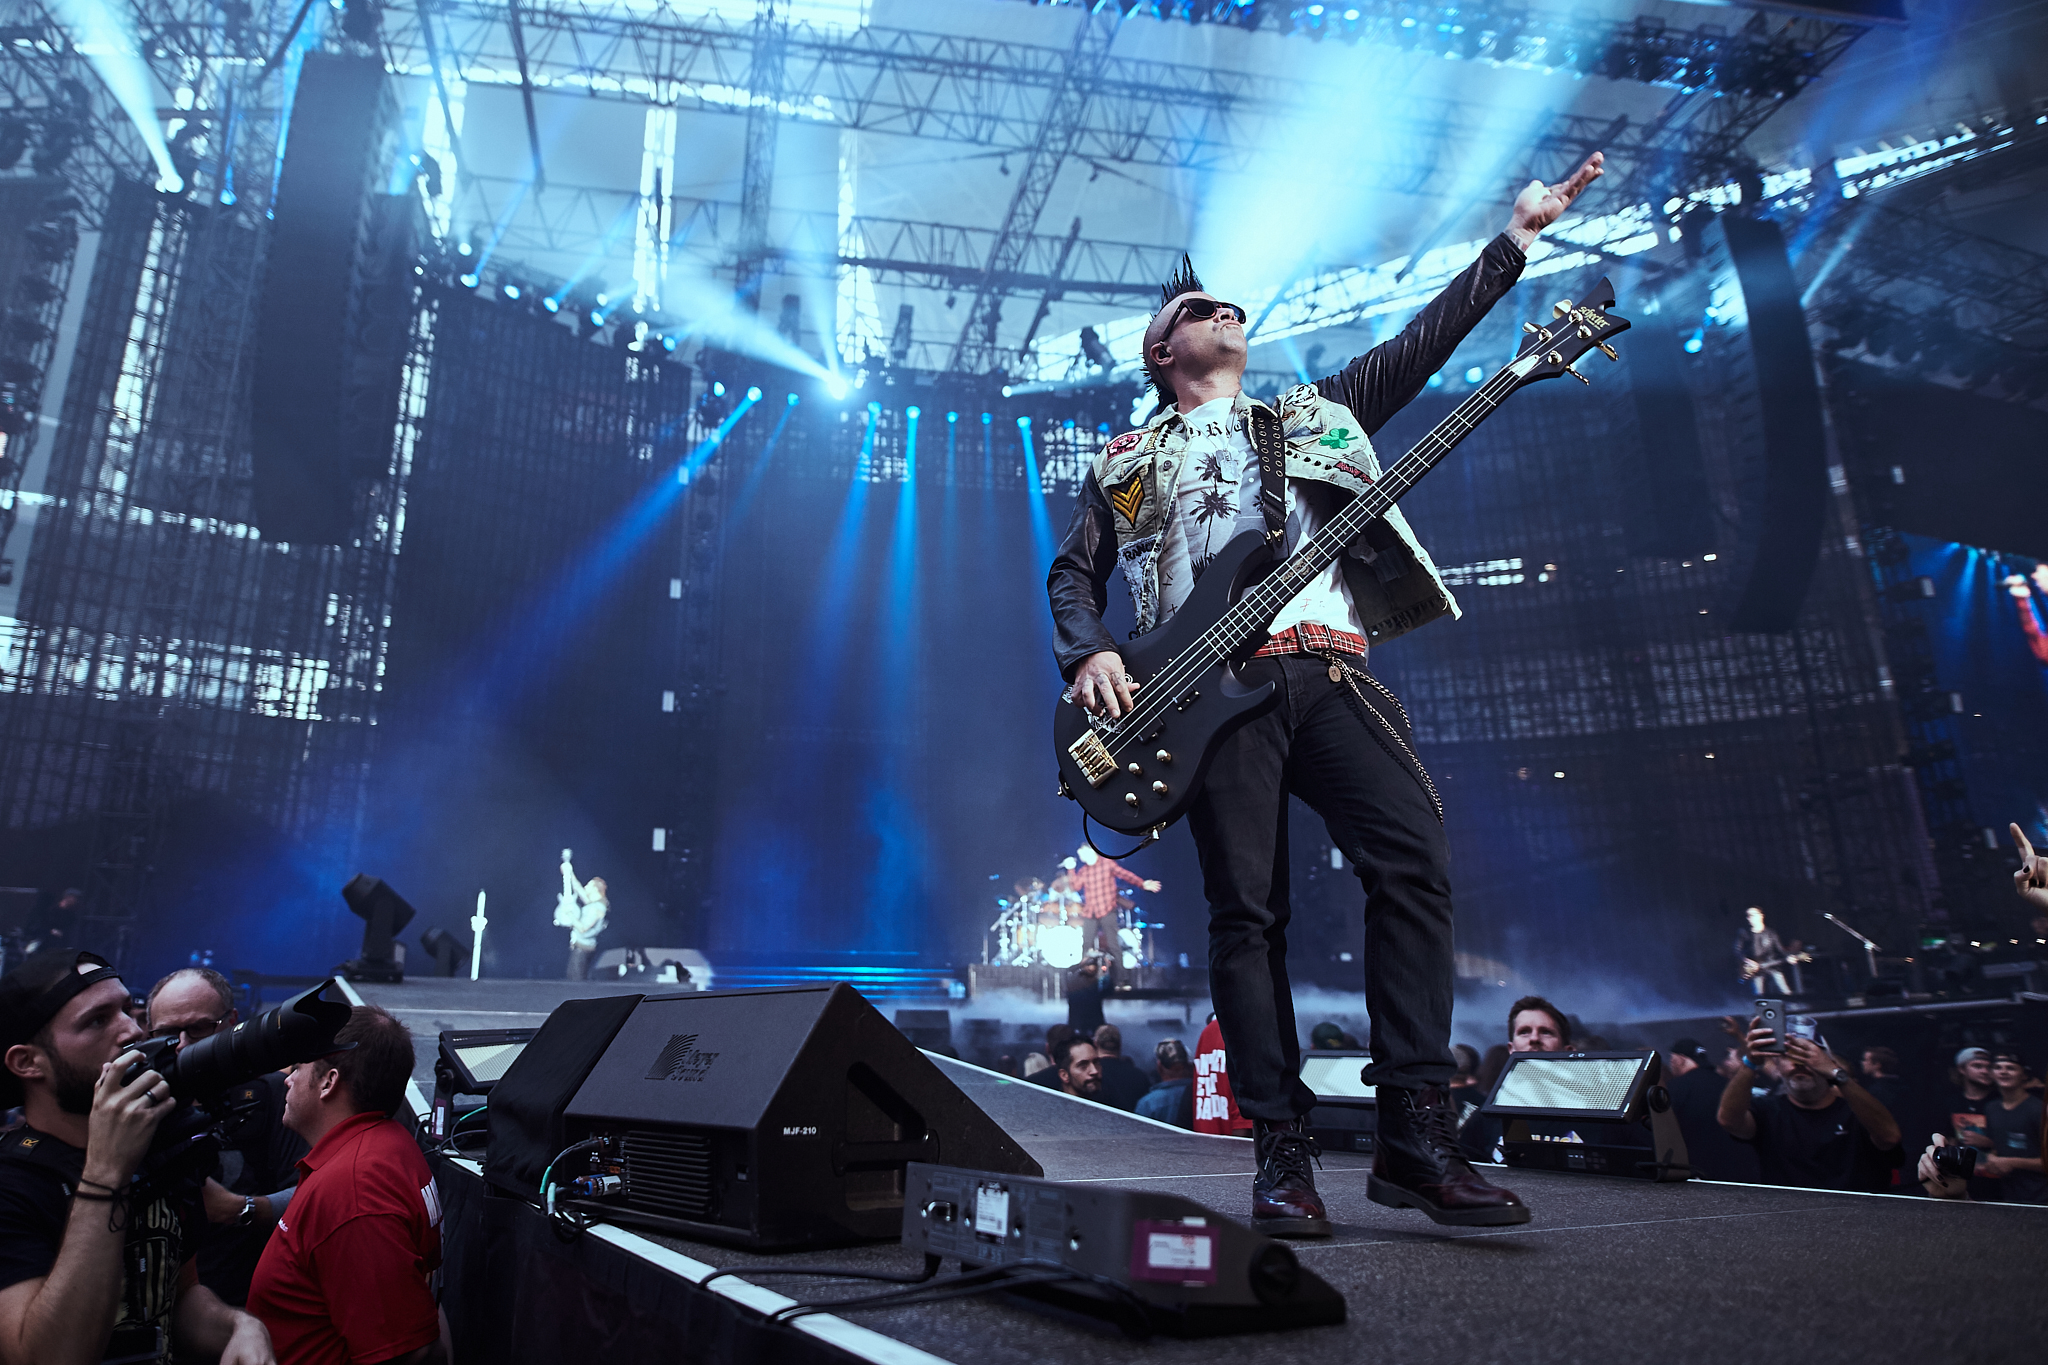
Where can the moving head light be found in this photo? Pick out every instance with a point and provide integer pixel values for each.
(299, 1030)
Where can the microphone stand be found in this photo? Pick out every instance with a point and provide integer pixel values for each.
(1869, 948)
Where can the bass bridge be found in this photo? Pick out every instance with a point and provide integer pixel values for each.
(1093, 758)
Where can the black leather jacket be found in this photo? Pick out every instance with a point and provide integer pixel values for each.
(1374, 386)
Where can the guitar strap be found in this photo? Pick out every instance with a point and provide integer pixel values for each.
(1269, 443)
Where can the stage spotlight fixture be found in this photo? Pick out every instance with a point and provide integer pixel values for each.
(1023, 424)
(1474, 375)
(383, 912)
(952, 417)
(553, 305)
(792, 400)
(596, 318)
(913, 413)
(668, 343)
(987, 417)
(510, 291)
(718, 388)
(1696, 342)
(874, 409)
(462, 248)
(448, 951)
(754, 394)
(1007, 390)
(837, 387)
(1436, 381)
(469, 281)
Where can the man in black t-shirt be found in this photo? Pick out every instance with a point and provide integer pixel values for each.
(1122, 1083)
(94, 1264)
(1822, 1130)
(2012, 1165)
(1695, 1090)
(258, 1164)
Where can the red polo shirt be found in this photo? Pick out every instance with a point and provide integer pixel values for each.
(344, 1279)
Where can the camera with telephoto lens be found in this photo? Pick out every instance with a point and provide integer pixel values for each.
(187, 1141)
(1955, 1161)
(299, 1030)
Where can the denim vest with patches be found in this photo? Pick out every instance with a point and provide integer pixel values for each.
(1394, 584)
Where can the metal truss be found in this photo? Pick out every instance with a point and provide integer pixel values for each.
(757, 177)
(1757, 60)
(1059, 129)
(42, 79)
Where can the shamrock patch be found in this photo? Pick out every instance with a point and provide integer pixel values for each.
(1338, 438)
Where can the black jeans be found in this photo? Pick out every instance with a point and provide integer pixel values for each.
(1382, 817)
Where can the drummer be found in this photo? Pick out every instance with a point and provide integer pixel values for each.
(1095, 878)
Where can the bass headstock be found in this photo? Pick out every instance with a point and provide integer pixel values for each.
(1553, 349)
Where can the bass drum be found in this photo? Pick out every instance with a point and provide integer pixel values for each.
(1059, 945)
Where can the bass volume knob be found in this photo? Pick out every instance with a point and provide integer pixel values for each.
(1163, 756)
(1130, 798)
(1159, 787)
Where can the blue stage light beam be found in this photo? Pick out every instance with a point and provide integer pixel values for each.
(694, 461)
(1041, 521)
(107, 38)
(718, 318)
(831, 618)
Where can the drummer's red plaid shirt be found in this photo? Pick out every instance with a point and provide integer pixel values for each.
(1096, 882)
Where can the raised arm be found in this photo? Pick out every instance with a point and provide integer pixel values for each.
(1379, 383)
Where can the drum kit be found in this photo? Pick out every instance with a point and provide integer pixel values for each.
(1041, 926)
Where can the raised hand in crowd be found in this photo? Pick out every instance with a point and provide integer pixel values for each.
(2031, 881)
(1933, 1181)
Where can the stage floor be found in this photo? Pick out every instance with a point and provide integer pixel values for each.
(1608, 1270)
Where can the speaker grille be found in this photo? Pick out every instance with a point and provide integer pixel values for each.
(669, 1172)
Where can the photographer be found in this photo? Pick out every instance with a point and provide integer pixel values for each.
(1822, 1130)
(248, 1191)
(94, 1265)
(346, 1277)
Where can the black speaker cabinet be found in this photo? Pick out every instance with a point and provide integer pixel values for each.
(770, 1118)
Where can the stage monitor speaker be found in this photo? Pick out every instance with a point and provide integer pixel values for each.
(770, 1118)
(472, 1062)
(1776, 432)
(1142, 1260)
(1604, 1113)
(322, 301)
(384, 913)
(526, 1126)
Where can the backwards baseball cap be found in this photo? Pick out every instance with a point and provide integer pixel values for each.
(31, 995)
(1689, 1048)
(1971, 1054)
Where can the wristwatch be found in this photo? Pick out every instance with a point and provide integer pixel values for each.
(248, 1213)
(1841, 1076)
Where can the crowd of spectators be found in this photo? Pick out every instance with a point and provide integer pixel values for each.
(313, 1235)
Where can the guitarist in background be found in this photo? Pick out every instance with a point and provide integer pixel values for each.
(1765, 956)
(1161, 502)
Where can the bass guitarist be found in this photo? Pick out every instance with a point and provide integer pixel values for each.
(1160, 502)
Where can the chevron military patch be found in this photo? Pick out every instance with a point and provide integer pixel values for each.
(1128, 497)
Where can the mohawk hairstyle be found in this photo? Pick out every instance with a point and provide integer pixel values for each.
(1182, 281)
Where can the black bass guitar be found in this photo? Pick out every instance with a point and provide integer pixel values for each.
(1139, 773)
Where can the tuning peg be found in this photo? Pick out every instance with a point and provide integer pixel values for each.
(1576, 375)
(1608, 351)
(1531, 327)
(1559, 309)
(1585, 332)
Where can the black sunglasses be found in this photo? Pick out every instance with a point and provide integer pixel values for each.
(1201, 310)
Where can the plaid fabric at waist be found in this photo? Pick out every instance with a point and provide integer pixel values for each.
(1309, 637)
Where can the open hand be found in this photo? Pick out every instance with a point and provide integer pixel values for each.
(1812, 1055)
(1539, 205)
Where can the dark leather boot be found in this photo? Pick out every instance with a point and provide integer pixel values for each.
(1416, 1164)
(1284, 1198)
